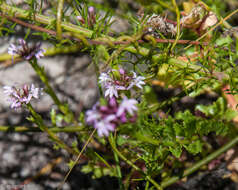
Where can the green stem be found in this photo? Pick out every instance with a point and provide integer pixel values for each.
(20, 129)
(118, 168)
(178, 24)
(196, 166)
(39, 122)
(20, 13)
(112, 143)
(59, 18)
(147, 185)
(165, 5)
(41, 73)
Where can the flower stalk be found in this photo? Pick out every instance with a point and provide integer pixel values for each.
(41, 73)
(39, 122)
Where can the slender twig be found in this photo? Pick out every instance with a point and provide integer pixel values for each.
(77, 159)
(41, 73)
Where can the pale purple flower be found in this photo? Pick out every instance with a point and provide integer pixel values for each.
(127, 105)
(20, 96)
(36, 91)
(104, 79)
(105, 118)
(136, 81)
(112, 84)
(13, 50)
(105, 125)
(25, 51)
(91, 10)
(102, 119)
(8, 90)
(93, 115)
(91, 16)
(111, 91)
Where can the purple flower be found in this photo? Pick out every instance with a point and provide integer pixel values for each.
(136, 81)
(105, 125)
(106, 118)
(25, 51)
(20, 96)
(104, 79)
(93, 115)
(127, 105)
(112, 83)
(111, 91)
(91, 10)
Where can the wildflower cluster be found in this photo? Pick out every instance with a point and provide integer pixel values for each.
(114, 81)
(21, 96)
(106, 118)
(25, 51)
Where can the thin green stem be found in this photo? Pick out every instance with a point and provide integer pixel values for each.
(147, 185)
(165, 5)
(20, 129)
(39, 122)
(118, 168)
(20, 13)
(157, 186)
(178, 24)
(59, 19)
(199, 164)
(41, 73)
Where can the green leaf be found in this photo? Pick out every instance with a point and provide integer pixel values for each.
(218, 108)
(224, 41)
(176, 150)
(71, 164)
(230, 114)
(194, 147)
(53, 116)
